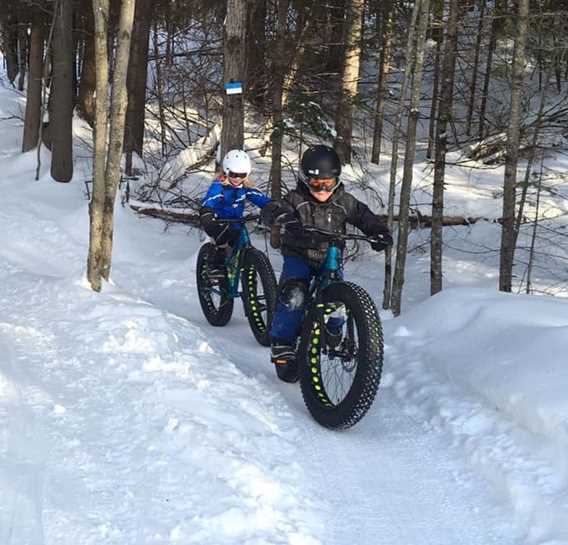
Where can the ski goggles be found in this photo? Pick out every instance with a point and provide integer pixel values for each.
(329, 184)
(237, 175)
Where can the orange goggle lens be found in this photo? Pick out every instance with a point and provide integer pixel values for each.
(322, 185)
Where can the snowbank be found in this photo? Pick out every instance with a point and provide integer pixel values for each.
(490, 369)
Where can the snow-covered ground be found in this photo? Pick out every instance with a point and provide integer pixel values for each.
(125, 419)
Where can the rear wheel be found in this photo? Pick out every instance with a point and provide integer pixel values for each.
(259, 293)
(216, 304)
(340, 366)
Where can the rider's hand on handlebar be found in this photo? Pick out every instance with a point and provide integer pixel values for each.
(385, 240)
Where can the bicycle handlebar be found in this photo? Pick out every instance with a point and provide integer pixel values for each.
(343, 236)
(244, 219)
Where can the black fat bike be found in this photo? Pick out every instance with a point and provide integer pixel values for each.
(246, 266)
(339, 367)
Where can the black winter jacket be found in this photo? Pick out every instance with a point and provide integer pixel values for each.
(333, 215)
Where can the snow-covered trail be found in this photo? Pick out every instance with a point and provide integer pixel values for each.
(391, 479)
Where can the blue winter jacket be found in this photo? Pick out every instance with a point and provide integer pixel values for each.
(229, 202)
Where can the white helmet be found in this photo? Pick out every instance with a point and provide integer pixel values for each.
(236, 161)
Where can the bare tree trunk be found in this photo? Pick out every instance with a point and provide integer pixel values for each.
(159, 89)
(136, 83)
(234, 70)
(410, 54)
(496, 24)
(410, 153)
(256, 40)
(61, 112)
(535, 227)
(106, 163)
(297, 59)
(473, 84)
(118, 106)
(384, 66)
(33, 102)
(444, 119)
(350, 79)
(279, 70)
(10, 47)
(96, 206)
(435, 98)
(87, 84)
(22, 53)
(512, 156)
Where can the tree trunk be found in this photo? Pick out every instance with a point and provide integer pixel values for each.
(473, 84)
(444, 119)
(410, 153)
(535, 227)
(302, 33)
(232, 133)
(22, 53)
(384, 66)
(435, 98)
(136, 82)
(33, 102)
(61, 112)
(10, 47)
(279, 70)
(410, 53)
(87, 83)
(118, 106)
(512, 151)
(256, 40)
(496, 26)
(106, 165)
(96, 206)
(350, 79)
(159, 90)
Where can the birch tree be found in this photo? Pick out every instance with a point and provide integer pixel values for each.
(107, 156)
(349, 80)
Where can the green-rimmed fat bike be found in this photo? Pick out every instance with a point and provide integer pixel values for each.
(340, 367)
(247, 266)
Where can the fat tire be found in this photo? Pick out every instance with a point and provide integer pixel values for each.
(369, 359)
(220, 315)
(256, 267)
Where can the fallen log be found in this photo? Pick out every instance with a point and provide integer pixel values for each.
(416, 221)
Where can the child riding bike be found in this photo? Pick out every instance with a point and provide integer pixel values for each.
(319, 200)
(225, 199)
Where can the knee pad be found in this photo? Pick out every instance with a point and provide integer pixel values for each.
(293, 293)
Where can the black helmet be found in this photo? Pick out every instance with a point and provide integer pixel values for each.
(320, 162)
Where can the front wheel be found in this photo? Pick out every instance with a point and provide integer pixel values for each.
(259, 293)
(340, 356)
(216, 302)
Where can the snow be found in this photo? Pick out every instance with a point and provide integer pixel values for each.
(126, 419)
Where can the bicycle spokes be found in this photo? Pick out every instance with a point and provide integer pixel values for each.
(333, 354)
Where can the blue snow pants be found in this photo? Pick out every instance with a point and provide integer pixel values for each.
(291, 302)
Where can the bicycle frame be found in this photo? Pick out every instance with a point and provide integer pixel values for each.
(329, 272)
(233, 262)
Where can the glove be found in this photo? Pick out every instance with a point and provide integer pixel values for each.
(278, 212)
(207, 218)
(385, 240)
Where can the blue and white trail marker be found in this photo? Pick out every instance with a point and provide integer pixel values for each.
(234, 88)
